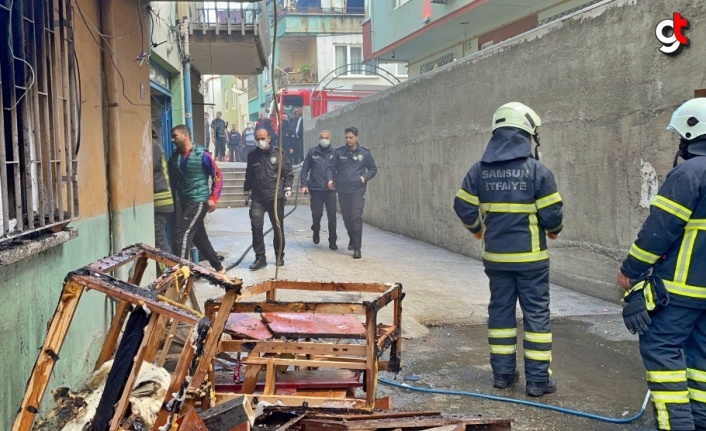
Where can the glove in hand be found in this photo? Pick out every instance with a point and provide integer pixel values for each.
(635, 314)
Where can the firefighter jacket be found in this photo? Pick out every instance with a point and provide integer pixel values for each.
(513, 200)
(348, 166)
(313, 174)
(261, 174)
(672, 239)
(163, 200)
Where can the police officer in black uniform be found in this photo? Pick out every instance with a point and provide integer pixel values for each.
(352, 167)
(260, 186)
(510, 200)
(313, 181)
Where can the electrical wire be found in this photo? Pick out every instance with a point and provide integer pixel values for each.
(278, 115)
(91, 27)
(579, 413)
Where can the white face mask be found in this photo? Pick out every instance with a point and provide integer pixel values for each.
(324, 142)
(262, 144)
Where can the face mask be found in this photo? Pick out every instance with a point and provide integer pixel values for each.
(324, 143)
(262, 144)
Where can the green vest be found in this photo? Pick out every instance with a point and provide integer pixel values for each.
(192, 182)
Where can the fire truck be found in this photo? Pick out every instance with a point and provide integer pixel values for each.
(315, 103)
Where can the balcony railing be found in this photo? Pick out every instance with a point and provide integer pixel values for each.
(235, 14)
(322, 10)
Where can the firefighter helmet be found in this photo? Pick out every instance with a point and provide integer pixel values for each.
(516, 114)
(689, 120)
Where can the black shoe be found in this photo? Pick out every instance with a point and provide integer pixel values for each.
(350, 246)
(280, 261)
(332, 246)
(504, 381)
(316, 237)
(537, 389)
(356, 254)
(259, 263)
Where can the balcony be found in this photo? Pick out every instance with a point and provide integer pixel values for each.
(231, 38)
(309, 20)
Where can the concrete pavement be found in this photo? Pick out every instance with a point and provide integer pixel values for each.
(596, 360)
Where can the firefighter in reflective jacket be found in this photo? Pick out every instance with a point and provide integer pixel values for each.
(672, 244)
(509, 199)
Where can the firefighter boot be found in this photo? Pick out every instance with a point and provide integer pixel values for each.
(504, 381)
(537, 389)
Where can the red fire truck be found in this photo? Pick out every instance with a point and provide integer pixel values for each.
(316, 103)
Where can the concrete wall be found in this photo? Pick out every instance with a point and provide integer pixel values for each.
(30, 288)
(605, 94)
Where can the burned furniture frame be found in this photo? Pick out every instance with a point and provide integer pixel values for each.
(159, 307)
(314, 349)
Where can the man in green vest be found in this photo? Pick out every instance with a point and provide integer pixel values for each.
(189, 170)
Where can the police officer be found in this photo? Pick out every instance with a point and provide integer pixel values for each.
(352, 167)
(260, 186)
(510, 200)
(313, 180)
(672, 244)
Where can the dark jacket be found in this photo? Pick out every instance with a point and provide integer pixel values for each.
(672, 239)
(313, 174)
(261, 174)
(163, 200)
(347, 168)
(234, 139)
(513, 199)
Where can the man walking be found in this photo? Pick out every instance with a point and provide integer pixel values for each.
(260, 186)
(352, 167)
(220, 136)
(297, 132)
(189, 170)
(509, 200)
(664, 273)
(313, 181)
(234, 147)
(249, 138)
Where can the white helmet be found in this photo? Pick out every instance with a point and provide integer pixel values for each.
(519, 115)
(689, 120)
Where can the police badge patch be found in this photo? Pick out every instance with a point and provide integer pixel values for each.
(273, 160)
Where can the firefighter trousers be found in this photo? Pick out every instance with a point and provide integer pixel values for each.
(531, 288)
(674, 353)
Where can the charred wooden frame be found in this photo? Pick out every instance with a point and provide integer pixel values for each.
(365, 357)
(163, 304)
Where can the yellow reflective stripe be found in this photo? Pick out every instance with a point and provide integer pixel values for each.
(685, 289)
(548, 200)
(499, 349)
(696, 375)
(539, 355)
(670, 397)
(534, 232)
(662, 416)
(642, 255)
(502, 333)
(516, 257)
(474, 225)
(467, 197)
(696, 224)
(666, 376)
(697, 395)
(556, 229)
(537, 337)
(504, 207)
(672, 207)
(684, 257)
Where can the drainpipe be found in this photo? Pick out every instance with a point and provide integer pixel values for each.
(112, 131)
(186, 70)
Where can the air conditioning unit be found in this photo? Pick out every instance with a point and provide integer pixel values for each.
(439, 1)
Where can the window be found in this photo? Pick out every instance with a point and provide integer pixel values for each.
(398, 3)
(40, 121)
(352, 57)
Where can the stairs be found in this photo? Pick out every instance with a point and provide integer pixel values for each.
(233, 181)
